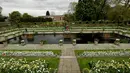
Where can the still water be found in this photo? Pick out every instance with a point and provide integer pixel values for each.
(67, 38)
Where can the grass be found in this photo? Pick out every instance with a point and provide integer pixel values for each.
(53, 62)
(58, 52)
(83, 62)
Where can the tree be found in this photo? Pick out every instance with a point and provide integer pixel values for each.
(84, 10)
(2, 19)
(26, 15)
(15, 17)
(124, 8)
(91, 9)
(101, 7)
(47, 13)
(115, 13)
(69, 17)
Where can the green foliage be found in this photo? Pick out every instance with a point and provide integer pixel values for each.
(84, 62)
(36, 19)
(26, 15)
(28, 65)
(124, 41)
(86, 70)
(43, 42)
(84, 10)
(110, 66)
(47, 13)
(114, 10)
(2, 19)
(15, 17)
(69, 17)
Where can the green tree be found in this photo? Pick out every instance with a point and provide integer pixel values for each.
(92, 9)
(101, 7)
(26, 15)
(124, 8)
(69, 17)
(15, 17)
(47, 13)
(85, 10)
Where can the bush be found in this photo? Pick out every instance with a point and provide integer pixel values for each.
(43, 42)
(86, 70)
(2, 19)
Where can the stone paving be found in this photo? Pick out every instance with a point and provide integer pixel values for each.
(30, 47)
(57, 47)
(68, 62)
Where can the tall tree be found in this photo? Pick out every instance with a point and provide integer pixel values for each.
(85, 10)
(91, 9)
(69, 17)
(99, 6)
(26, 15)
(47, 13)
(15, 17)
(124, 8)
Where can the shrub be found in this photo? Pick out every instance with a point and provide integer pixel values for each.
(86, 70)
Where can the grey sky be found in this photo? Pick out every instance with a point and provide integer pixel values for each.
(35, 7)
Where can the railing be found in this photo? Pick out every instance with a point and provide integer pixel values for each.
(122, 30)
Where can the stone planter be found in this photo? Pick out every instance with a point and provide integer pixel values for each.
(23, 42)
(117, 42)
(96, 41)
(61, 42)
(74, 42)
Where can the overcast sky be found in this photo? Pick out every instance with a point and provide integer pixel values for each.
(35, 7)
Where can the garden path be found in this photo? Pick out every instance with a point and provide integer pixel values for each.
(68, 62)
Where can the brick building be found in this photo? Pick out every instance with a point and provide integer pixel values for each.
(56, 18)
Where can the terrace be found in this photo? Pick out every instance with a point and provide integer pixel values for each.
(69, 57)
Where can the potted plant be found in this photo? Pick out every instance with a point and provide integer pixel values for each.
(96, 41)
(43, 42)
(86, 70)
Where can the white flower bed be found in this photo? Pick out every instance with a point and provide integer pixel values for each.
(110, 66)
(105, 54)
(29, 53)
(23, 66)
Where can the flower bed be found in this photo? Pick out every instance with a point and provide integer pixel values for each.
(109, 67)
(23, 66)
(105, 54)
(29, 53)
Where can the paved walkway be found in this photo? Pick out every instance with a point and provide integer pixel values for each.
(68, 62)
(57, 47)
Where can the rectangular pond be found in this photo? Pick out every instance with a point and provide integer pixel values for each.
(82, 38)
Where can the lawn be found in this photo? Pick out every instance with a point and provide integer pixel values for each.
(84, 61)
